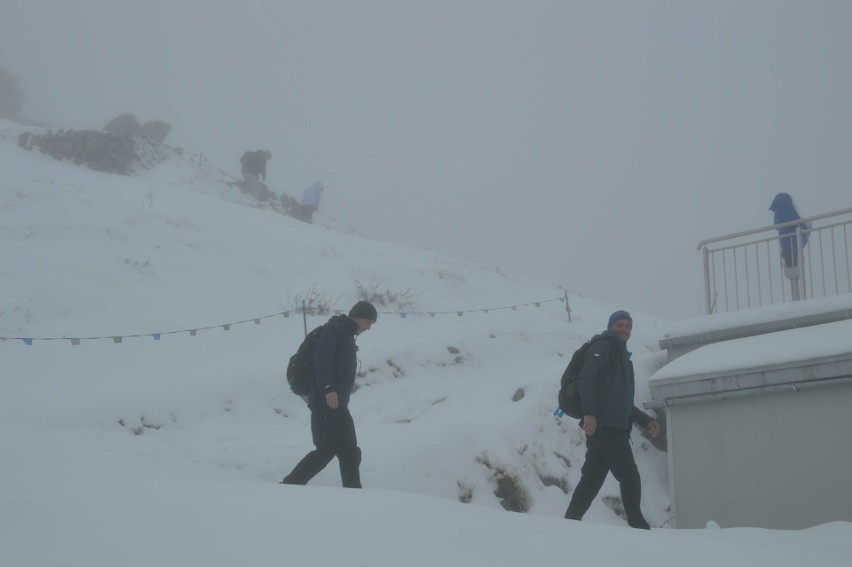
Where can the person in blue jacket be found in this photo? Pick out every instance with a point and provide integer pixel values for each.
(785, 211)
(606, 385)
(332, 427)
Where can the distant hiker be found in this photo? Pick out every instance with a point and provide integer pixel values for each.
(790, 237)
(254, 170)
(785, 211)
(606, 384)
(332, 428)
(310, 202)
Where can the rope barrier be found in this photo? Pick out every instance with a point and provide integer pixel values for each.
(118, 339)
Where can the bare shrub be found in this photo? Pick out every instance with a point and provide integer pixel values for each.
(313, 302)
(402, 300)
(465, 492)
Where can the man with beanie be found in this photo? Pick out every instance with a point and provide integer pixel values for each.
(606, 386)
(332, 428)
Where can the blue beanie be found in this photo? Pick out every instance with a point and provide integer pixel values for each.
(618, 315)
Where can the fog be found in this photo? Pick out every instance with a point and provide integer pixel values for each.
(586, 144)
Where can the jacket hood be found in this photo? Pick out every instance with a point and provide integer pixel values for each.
(784, 209)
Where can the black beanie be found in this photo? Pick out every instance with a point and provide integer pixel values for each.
(364, 310)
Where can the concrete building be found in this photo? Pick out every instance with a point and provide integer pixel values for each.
(758, 407)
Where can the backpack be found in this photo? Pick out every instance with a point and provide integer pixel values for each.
(300, 369)
(569, 393)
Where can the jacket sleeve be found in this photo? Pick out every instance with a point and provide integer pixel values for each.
(597, 358)
(642, 418)
(324, 358)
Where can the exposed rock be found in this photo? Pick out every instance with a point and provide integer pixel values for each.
(149, 153)
(98, 150)
(508, 486)
(25, 140)
(156, 130)
(124, 125)
(120, 148)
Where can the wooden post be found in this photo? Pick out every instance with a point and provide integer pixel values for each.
(567, 307)
(305, 317)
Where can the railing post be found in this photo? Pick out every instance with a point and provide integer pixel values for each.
(707, 305)
(800, 263)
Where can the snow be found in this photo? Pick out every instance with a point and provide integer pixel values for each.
(772, 349)
(137, 451)
(759, 315)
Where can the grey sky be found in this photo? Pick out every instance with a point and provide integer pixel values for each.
(589, 144)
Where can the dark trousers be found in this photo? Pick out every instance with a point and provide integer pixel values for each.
(306, 213)
(608, 450)
(333, 433)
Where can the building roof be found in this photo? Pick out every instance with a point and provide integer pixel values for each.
(690, 333)
(790, 359)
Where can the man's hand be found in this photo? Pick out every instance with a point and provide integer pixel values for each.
(590, 425)
(331, 400)
(654, 427)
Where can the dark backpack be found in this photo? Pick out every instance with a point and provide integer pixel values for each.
(300, 369)
(569, 393)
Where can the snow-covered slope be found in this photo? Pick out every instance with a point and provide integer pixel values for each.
(147, 320)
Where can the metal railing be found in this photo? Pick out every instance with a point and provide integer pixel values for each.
(745, 269)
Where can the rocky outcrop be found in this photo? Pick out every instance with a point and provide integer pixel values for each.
(122, 147)
(97, 150)
(124, 125)
(156, 130)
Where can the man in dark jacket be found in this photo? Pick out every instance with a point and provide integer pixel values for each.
(254, 170)
(332, 428)
(606, 385)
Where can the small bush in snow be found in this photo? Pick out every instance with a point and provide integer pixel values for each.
(401, 300)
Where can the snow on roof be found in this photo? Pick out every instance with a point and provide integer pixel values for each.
(791, 347)
(759, 316)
